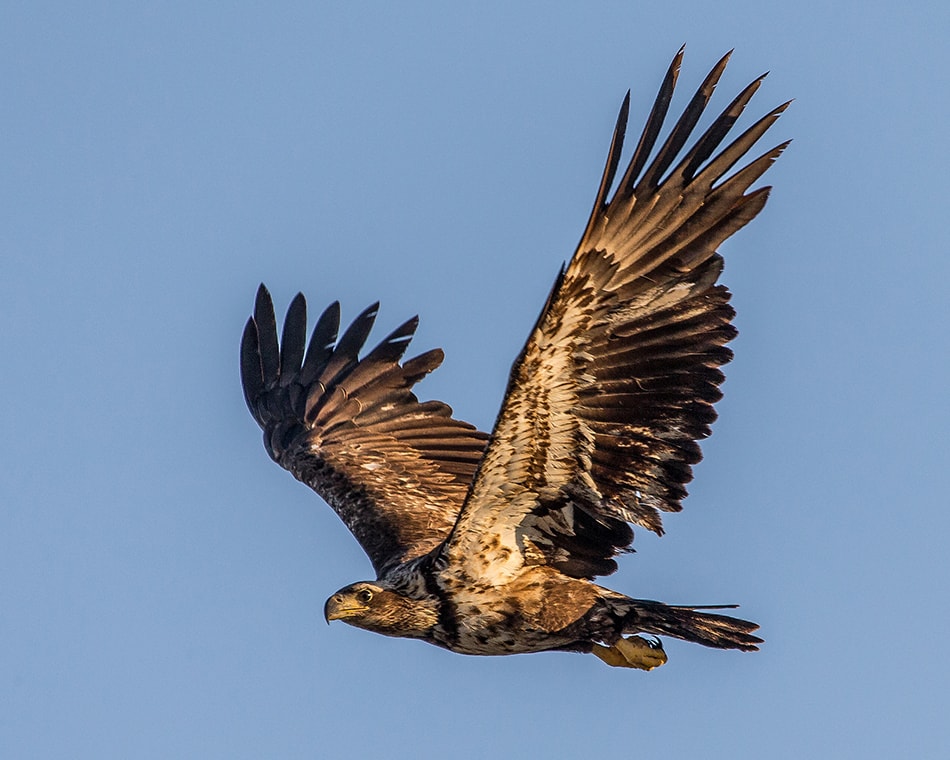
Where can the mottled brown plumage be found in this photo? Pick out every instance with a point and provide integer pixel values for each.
(489, 545)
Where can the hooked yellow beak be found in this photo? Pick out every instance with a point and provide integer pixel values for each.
(339, 607)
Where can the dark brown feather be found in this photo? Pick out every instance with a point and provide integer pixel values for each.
(615, 385)
(394, 469)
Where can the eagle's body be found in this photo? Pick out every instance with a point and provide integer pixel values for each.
(488, 544)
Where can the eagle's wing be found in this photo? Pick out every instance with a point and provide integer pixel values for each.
(618, 378)
(394, 469)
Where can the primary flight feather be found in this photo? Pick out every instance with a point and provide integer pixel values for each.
(489, 544)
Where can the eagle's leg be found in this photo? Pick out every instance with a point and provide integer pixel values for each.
(632, 652)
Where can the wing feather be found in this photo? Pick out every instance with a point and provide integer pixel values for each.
(395, 469)
(616, 384)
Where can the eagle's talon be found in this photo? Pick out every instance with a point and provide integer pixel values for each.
(633, 652)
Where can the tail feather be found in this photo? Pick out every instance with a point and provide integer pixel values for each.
(690, 624)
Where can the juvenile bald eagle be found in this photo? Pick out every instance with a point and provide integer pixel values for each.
(488, 544)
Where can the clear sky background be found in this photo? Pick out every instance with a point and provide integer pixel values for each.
(162, 581)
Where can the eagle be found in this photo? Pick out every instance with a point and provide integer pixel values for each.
(490, 544)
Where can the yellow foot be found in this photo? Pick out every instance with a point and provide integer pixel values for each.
(632, 652)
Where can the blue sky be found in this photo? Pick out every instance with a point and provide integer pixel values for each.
(161, 581)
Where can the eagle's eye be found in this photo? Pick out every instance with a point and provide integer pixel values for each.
(364, 595)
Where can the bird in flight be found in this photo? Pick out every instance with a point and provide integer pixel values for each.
(489, 544)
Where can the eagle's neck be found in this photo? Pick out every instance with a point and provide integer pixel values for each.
(394, 614)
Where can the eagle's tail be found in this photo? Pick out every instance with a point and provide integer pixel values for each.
(691, 624)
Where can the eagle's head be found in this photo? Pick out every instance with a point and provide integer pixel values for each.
(381, 609)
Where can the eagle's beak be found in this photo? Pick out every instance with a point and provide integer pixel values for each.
(338, 608)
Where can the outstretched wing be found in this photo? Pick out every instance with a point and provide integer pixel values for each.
(617, 380)
(394, 469)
